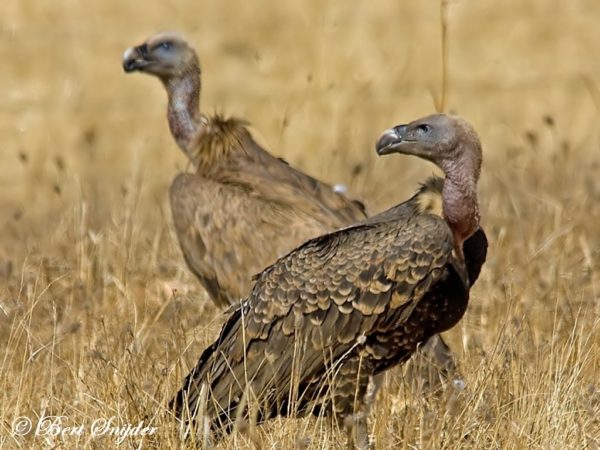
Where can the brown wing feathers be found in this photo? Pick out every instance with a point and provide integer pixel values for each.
(349, 304)
(323, 297)
(260, 207)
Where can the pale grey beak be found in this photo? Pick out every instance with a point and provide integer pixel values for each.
(134, 58)
(390, 140)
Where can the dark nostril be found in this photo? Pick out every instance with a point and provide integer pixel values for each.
(400, 130)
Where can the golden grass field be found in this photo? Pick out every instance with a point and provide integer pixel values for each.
(99, 316)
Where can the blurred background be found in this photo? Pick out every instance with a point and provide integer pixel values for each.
(318, 80)
(88, 257)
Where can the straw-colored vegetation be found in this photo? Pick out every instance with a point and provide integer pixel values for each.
(99, 316)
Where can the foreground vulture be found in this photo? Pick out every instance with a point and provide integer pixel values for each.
(242, 208)
(348, 305)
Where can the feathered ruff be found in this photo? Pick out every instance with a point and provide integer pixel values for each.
(217, 139)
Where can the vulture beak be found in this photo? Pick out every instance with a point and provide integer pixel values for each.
(135, 58)
(390, 140)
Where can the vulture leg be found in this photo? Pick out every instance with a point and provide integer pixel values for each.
(375, 383)
(432, 365)
(358, 432)
(351, 398)
(357, 424)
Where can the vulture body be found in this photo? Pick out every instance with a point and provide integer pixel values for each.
(246, 211)
(350, 304)
(242, 208)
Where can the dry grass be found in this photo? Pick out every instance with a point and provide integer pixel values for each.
(99, 317)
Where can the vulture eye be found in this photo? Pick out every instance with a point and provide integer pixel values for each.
(424, 128)
(166, 45)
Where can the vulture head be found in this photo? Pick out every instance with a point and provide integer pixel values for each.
(447, 141)
(453, 145)
(165, 55)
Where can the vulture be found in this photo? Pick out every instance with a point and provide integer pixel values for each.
(348, 305)
(242, 208)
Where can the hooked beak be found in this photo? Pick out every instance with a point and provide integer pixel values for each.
(135, 58)
(390, 140)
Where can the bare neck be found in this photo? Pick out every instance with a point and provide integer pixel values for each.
(459, 197)
(183, 112)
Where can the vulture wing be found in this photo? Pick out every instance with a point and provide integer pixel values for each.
(315, 308)
(231, 228)
(346, 211)
(245, 208)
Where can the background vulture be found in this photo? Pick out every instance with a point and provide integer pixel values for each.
(242, 208)
(350, 304)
